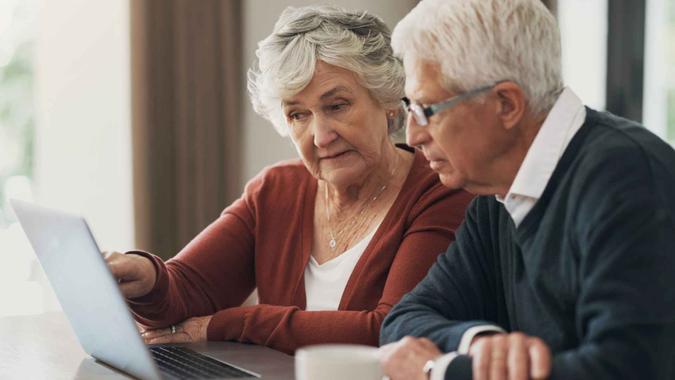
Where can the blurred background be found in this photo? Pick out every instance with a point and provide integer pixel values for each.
(134, 113)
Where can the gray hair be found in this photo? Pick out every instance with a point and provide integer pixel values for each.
(356, 41)
(477, 42)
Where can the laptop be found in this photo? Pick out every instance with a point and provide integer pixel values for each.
(97, 310)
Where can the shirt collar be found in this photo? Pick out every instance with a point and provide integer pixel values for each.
(561, 123)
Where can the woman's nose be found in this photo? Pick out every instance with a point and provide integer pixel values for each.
(324, 134)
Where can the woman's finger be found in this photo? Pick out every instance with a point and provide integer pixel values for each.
(132, 289)
(120, 266)
(110, 255)
(170, 338)
(141, 327)
(154, 333)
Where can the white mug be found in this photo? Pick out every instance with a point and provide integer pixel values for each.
(337, 362)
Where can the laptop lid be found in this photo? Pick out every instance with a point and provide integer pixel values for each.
(88, 292)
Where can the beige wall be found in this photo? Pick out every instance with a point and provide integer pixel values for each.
(262, 145)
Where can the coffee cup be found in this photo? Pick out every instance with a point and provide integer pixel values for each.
(338, 362)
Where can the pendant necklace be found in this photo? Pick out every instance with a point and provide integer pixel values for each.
(332, 243)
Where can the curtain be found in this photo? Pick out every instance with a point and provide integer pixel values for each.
(186, 89)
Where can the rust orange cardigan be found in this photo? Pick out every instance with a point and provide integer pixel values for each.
(264, 240)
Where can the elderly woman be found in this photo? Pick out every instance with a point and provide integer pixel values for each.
(331, 241)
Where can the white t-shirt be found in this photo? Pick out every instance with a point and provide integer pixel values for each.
(325, 283)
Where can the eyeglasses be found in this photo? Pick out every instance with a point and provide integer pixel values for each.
(422, 114)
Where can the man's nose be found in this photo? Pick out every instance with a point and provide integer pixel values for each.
(415, 135)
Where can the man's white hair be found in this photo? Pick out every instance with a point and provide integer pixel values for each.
(477, 42)
(356, 41)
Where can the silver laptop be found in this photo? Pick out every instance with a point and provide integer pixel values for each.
(94, 305)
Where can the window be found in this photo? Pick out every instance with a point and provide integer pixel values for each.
(18, 291)
(659, 100)
(583, 34)
(65, 130)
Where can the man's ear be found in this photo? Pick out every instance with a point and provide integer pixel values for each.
(511, 103)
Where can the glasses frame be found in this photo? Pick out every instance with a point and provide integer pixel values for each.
(422, 114)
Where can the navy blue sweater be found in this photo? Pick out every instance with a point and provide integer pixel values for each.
(590, 270)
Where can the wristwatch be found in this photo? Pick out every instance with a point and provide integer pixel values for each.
(428, 367)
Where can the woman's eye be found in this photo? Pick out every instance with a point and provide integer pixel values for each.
(338, 106)
(296, 116)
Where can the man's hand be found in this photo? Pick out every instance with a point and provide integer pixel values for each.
(191, 330)
(512, 356)
(406, 358)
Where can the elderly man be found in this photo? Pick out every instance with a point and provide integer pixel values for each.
(563, 268)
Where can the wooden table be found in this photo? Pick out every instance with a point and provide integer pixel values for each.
(43, 347)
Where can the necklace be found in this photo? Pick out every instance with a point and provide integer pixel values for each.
(332, 243)
(357, 220)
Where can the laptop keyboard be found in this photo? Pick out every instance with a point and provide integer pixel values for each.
(185, 363)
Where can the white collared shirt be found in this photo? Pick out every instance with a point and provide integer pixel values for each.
(562, 123)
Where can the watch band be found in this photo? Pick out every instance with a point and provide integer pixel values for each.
(440, 365)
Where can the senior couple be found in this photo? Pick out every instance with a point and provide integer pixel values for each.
(560, 268)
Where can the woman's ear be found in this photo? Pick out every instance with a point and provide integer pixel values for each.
(395, 119)
(511, 103)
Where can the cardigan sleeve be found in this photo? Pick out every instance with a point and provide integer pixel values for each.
(214, 271)
(460, 291)
(288, 327)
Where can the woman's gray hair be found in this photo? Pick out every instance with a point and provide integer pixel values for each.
(477, 42)
(356, 41)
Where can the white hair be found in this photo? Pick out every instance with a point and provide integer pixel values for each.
(477, 42)
(356, 41)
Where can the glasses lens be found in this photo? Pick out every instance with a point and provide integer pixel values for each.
(416, 111)
(418, 114)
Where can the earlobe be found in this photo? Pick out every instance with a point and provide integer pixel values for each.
(390, 121)
(395, 120)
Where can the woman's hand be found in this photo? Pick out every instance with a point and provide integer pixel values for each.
(190, 330)
(136, 274)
